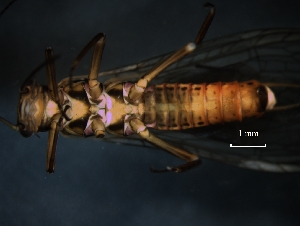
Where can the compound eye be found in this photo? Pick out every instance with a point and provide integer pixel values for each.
(23, 131)
(24, 90)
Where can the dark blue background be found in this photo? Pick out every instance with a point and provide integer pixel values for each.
(97, 183)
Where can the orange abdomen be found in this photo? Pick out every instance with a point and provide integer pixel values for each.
(182, 106)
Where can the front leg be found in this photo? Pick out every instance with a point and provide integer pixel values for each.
(192, 159)
(52, 141)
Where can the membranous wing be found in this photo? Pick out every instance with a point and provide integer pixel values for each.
(271, 55)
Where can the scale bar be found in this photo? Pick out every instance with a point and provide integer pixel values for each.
(248, 146)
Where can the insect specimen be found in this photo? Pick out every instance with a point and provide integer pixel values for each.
(172, 99)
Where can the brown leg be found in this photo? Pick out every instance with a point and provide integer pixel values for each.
(52, 141)
(6, 7)
(98, 127)
(98, 41)
(204, 28)
(95, 89)
(51, 75)
(56, 120)
(192, 160)
(137, 90)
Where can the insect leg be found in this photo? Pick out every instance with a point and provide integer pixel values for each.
(98, 127)
(57, 119)
(6, 7)
(192, 160)
(98, 40)
(51, 75)
(206, 23)
(95, 89)
(137, 90)
(52, 141)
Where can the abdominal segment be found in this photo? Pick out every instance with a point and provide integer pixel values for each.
(183, 106)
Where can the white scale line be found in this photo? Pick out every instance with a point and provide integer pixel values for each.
(248, 146)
